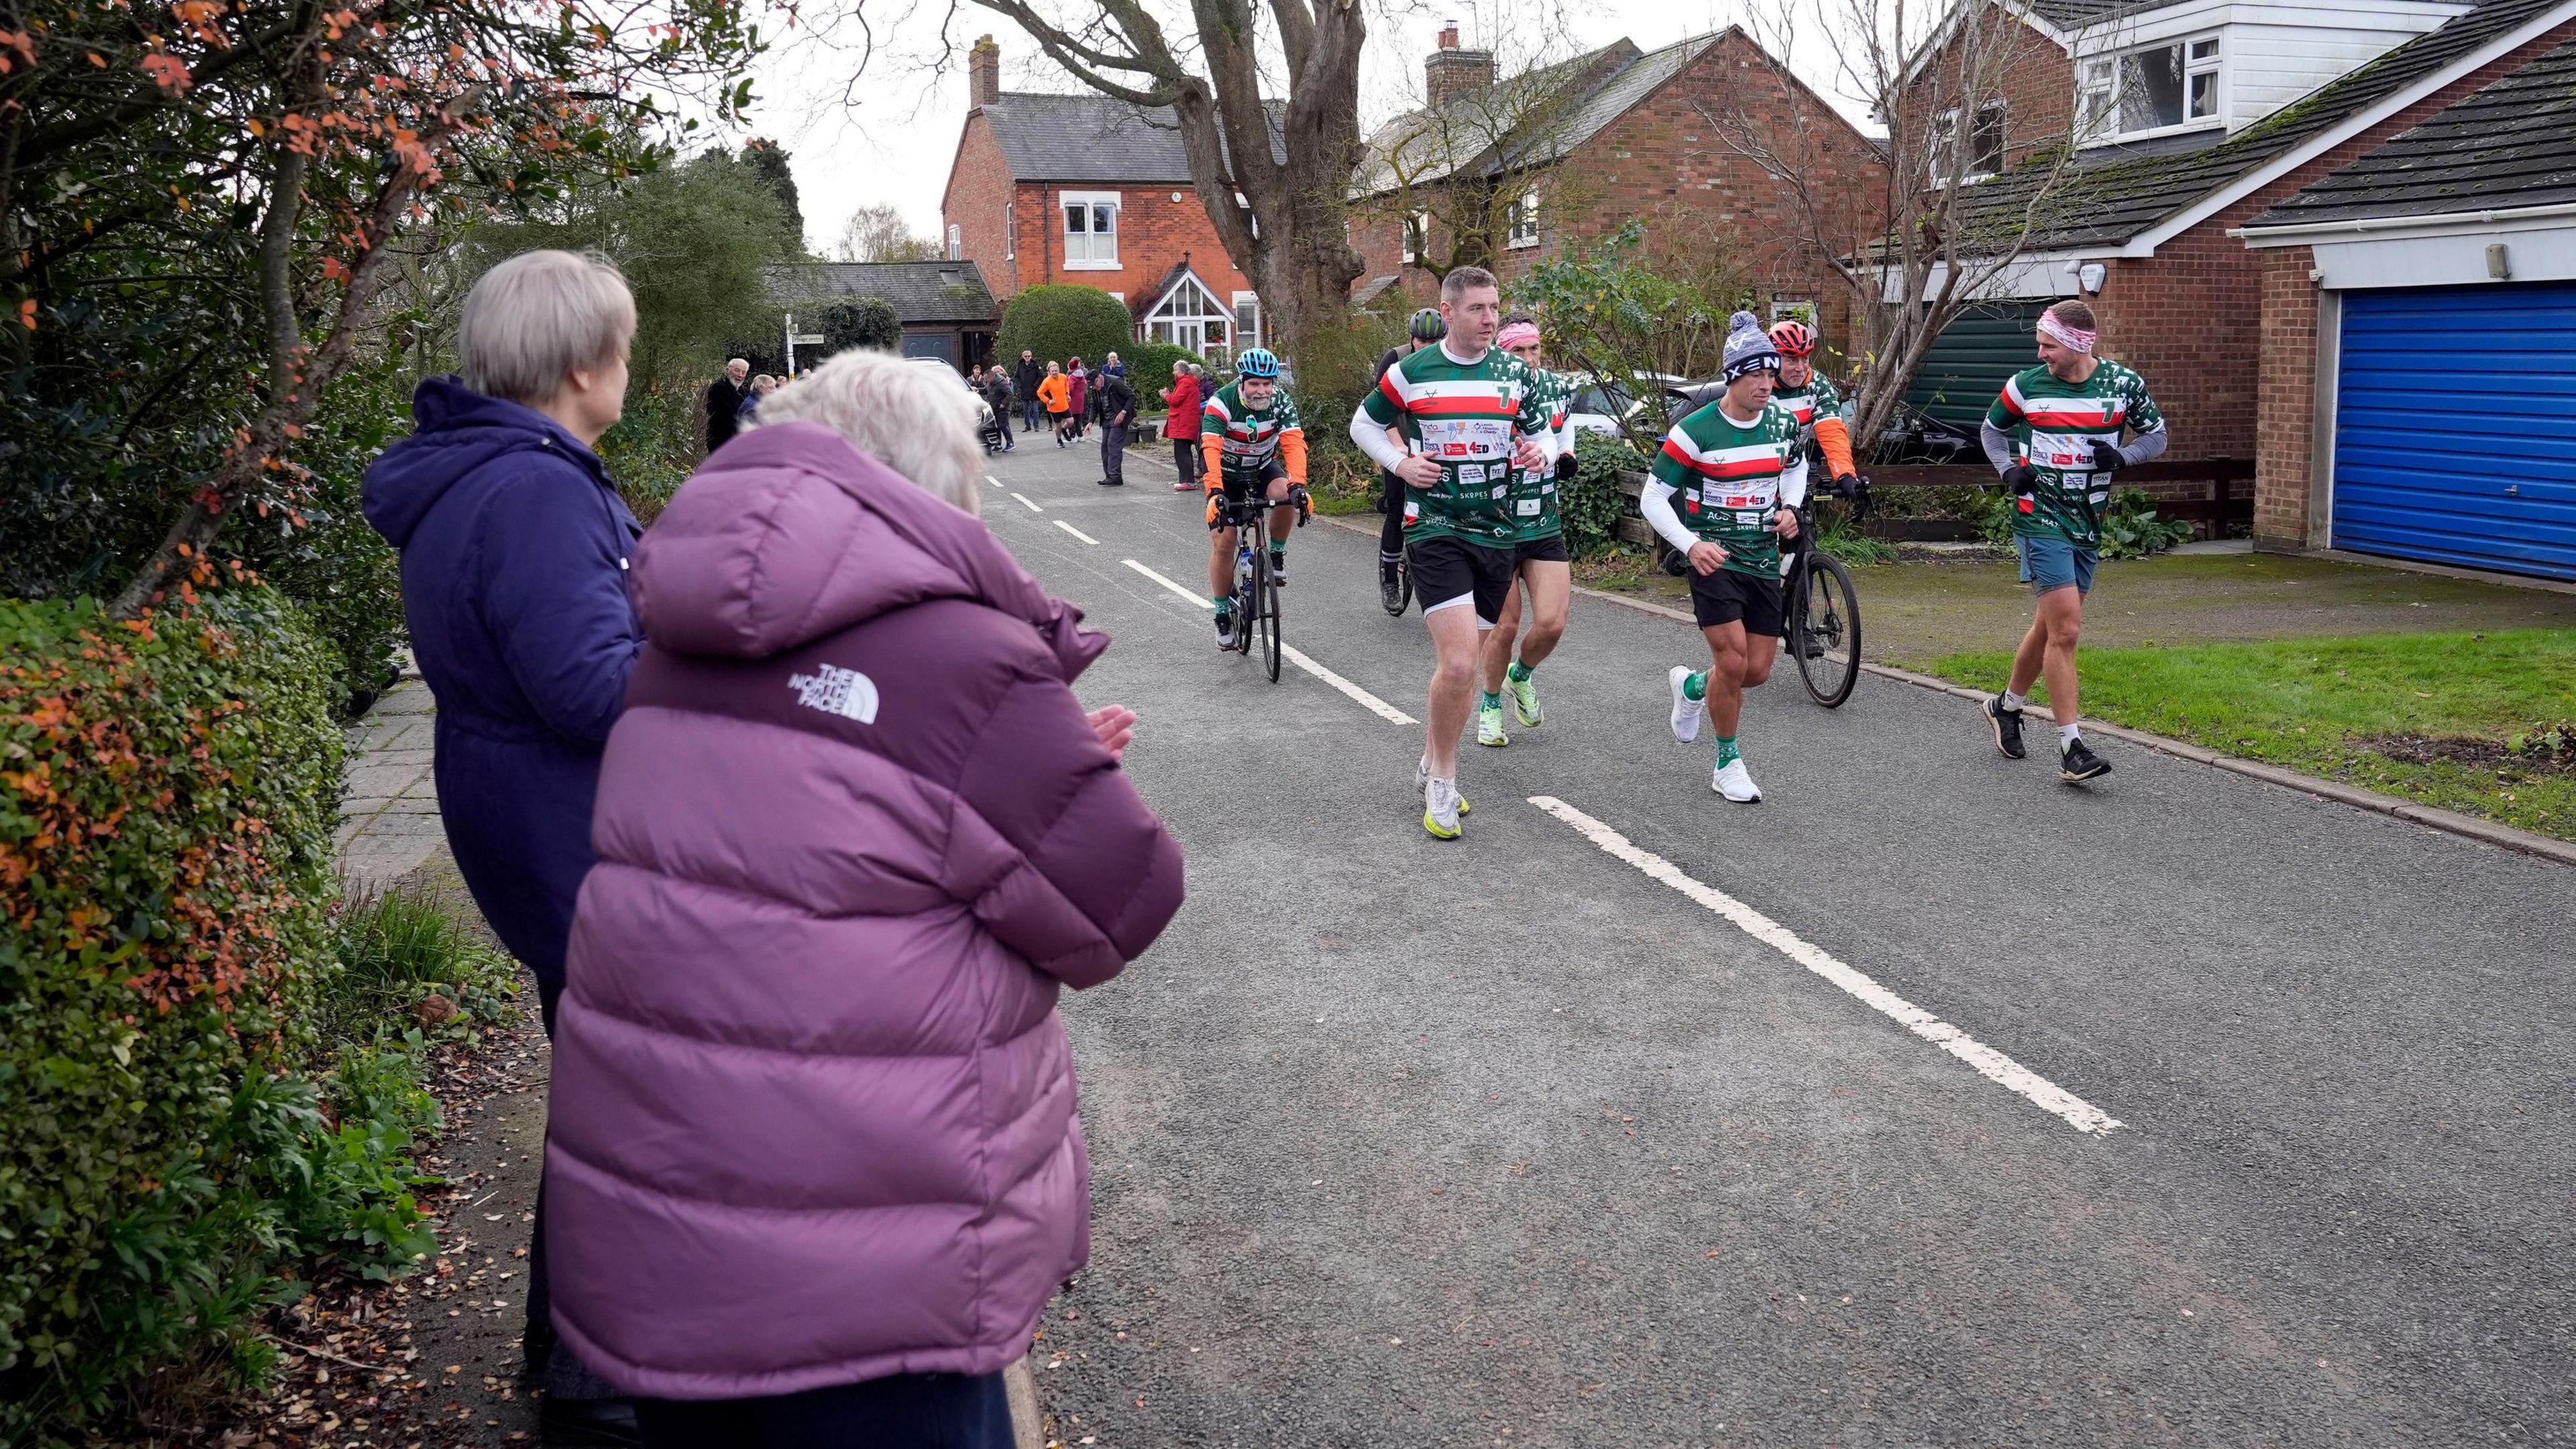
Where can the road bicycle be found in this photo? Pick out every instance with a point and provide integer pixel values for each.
(1820, 615)
(1256, 588)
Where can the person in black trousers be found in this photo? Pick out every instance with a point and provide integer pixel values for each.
(1027, 379)
(1117, 410)
(724, 404)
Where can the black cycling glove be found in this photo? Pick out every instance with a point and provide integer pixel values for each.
(1847, 487)
(2106, 457)
(2021, 480)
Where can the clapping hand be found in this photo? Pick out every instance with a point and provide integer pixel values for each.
(1115, 724)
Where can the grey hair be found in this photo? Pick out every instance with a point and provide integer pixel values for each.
(912, 418)
(534, 318)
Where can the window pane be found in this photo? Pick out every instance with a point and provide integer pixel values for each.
(2204, 95)
(1988, 140)
(1104, 220)
(2151, 89)
(1077, 220)
(2204, 50)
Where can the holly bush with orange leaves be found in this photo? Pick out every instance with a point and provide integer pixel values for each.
(168, 787)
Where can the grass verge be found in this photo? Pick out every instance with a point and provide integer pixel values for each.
(2481, 723)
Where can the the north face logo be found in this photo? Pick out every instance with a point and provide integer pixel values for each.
(834, 690)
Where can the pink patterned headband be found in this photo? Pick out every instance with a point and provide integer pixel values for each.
(1517, 334)
(2063, 335)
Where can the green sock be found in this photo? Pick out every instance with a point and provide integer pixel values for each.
(1518, 671)
(1726, 750)
(1695, 687)
(1492, 700)
(1225, 603)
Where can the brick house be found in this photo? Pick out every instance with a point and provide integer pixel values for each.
(1091, 190)
(1569, 152)
(2187, 122)
(2455, 239)
(946, 310)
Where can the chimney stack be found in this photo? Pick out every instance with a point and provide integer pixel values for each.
(984, 73)
(1450, 72)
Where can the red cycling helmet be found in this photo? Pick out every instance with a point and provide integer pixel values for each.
(1793, 338)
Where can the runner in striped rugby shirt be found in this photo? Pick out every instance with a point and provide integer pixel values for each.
(1544, 571)
(1737, 466)
(2054, 435)
(1458, 407)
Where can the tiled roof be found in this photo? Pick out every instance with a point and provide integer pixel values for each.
(2076, 14)
(920, 291)
(2511, 144)
(2106, 201)
(1095, 138)
(1529, 120)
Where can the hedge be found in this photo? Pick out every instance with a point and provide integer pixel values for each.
(1063, 321)
(168, 789)
(1149, 370)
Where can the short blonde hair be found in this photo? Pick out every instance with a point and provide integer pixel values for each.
(534, 318)
(918, 420)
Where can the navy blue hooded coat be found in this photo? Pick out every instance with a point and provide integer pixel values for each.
(514, 553)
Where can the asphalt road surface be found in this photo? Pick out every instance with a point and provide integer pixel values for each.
(1768, 1125)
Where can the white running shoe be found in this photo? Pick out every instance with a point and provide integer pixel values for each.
(1422, 782)
(1441, 808)
(1735, 782)
(1686, 710)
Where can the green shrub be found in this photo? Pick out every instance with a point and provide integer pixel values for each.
(168, 789)
(1149, 370)
(655, 445)
(396, 950)
(1592, 502)
(326, 556)
(2131, 529)
(867, 322)
(1063, 321)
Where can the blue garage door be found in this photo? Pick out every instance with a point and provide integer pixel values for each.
(2455, 427)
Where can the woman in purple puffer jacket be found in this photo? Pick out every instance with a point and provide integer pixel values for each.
(813, 1162)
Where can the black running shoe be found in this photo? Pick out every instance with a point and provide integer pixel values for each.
(1390, 584)
(2007, 727)
(2079, 764)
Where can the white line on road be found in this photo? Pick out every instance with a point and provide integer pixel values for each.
(1078, 533)
(1368, 701)
(1993, 1065)
(989, 478)
(1293, 655)
(1031, 502)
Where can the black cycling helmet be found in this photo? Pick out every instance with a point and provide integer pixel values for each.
(1427, 325)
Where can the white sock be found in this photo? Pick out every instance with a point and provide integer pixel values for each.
(2066, 736)
(2014, 701)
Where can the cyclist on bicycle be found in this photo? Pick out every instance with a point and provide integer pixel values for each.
(1816, 403)
(1740, 473)
(1544, 572)
(1253, 442)
(1426, 327)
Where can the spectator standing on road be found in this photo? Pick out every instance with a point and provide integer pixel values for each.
(814, 1103)
(1057, 394)
(761, 387)
(1027, 380)
(1117, 402)
(724, 403)
(1079, 378)
(997, 392)
(1183, 405)
(514, 552)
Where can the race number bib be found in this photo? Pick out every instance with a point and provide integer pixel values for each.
(1452, 439)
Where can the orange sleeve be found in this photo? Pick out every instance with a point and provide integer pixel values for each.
(1835, 439)
(1292, 454)
(1212, 448)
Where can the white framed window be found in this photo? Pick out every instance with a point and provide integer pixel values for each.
(1010, 230)
(1793, 309)
(1417, 235)
(1090, 230)
(1190, 316)
(2169, 86)
(956, 242)
(1522, 228)
(1984, 141)
(1247, 319)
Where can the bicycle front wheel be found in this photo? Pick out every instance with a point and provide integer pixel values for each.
(1824, 630)
(1265, 586)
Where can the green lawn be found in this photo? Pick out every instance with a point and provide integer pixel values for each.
(2463, 721)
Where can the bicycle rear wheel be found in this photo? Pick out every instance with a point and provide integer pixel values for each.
(1265, 588)
(1824, 630)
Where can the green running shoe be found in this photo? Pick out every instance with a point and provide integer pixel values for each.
(1525, 702)
(1489, 725)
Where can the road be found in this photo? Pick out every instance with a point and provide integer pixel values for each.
(1511, 1141)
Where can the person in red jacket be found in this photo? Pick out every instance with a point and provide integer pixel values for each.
(1182, 426)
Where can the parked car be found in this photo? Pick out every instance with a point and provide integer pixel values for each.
(1605, 407)
(987, 426)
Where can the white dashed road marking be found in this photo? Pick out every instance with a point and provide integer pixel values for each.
(1078, 533)
(1293, 655)
(1993, 1065)
(989, 478)
(1031, 502)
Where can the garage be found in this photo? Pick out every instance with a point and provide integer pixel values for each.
(2455, 427)
(1966, 365)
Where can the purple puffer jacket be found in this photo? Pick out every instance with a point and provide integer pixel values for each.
(813, 1110)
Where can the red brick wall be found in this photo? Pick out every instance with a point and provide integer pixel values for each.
(978, 197)
(2191, 316)
(2286, 391)
(2030, 73)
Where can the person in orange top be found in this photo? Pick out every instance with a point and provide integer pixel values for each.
(1057, 394)
(1815, 403)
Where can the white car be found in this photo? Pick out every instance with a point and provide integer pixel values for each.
(1602, 407)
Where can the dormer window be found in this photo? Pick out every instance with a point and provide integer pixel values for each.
(2165, 87)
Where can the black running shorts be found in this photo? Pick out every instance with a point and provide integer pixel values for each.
(1449, 571)
(1550, 549)
(1727, 597)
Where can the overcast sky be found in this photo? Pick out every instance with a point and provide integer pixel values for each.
(890, 136)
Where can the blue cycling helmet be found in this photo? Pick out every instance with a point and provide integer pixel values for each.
(1257, 362)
